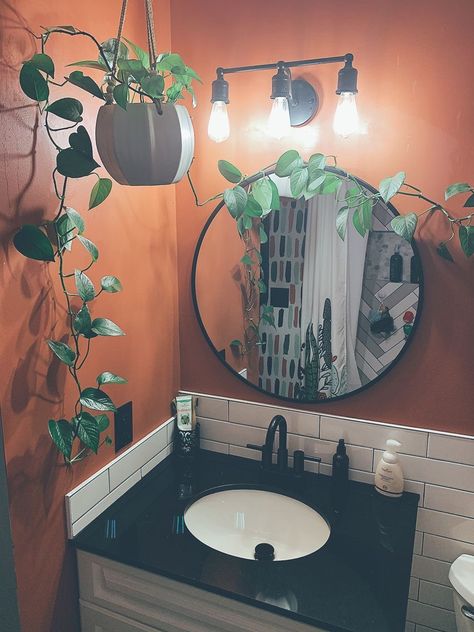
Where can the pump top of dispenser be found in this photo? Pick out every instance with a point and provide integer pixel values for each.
(341, 447)
(391, 451)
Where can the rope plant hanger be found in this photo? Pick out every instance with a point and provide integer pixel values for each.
(136, 146)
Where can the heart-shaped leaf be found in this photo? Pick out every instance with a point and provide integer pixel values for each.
(246, 260)
(262, 234)
(287, 162)
(79, 79)
(391, 186)
(466, 238)
(110, 378)
(33, 84)
(102, 422)
(82, 320)
(90, 247)
(454, 189)
(153, 85)
(120, 94)
(405, 225)
(64, 229)
(230, 173)
(74, 164)
(81, 141)
(43, 62)
(341, 221)
(275, 203)
(95, 399)
(62, 351)
(316, 176)
(235, 200)
(76, 219)
(252, 208)
(85, 287)
(108, 48)
(330, 185)
(67, 109)
(469, 203)
(61, 432)
(317, 161)
(298, 180)
(105, 327)
(100, 192)
(110, 284)
(262, 192)
(135, 68)
(357, 220)
(364, 211)
(88, 430)
(33, 243)
(140, 53)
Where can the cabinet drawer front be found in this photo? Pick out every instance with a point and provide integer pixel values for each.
(96, 619)
(171, 606)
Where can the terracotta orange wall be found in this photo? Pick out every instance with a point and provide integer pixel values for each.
(416, 98)
(135, 231)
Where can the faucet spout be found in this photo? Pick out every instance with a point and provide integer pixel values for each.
(278, 423)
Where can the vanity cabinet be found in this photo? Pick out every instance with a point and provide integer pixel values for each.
(115, 597)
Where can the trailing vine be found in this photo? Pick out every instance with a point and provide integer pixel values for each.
(160, 79)
(253, 197)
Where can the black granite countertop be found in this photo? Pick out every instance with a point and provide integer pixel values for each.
(358, 582)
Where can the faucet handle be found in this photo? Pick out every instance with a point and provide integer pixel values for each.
(266, 453)
(299, 458)
(253, 446)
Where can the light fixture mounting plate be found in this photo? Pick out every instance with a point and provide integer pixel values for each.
(304, 103)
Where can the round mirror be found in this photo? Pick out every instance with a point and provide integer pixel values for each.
(295, 310)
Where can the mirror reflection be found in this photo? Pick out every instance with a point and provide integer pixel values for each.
(297, 311)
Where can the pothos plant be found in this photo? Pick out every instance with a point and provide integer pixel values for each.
(126, 78)
(253, 197)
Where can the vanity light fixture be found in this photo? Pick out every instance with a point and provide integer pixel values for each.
(295, 101)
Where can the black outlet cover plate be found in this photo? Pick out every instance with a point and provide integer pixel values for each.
(123, 426)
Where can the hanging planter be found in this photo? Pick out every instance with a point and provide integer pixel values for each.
(138, 146)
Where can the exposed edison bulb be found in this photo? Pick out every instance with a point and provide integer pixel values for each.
(346, 117)
(279, 120)
(218, 129)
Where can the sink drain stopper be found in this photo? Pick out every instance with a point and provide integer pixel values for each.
(264, 552)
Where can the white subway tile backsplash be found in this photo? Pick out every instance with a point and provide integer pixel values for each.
(414, 588)
(213, 408)
(373, 435)
(359, 458)
(446, 525)
(436, 595)
(245, 453)
(152, 463)
(436, 472)
(450, 500)
(430, 569)
(233, 434)
(354, 475)
(87, 495)
(214, 446)
(418, 544)
(424, 628)
(449, 448)
(444, 548)
(410, 627)
(300, 423)
(437, 618)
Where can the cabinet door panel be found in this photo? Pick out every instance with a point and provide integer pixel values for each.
(95, 619)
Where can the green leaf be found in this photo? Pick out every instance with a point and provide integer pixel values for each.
(74, 164)
(62, 351)
(68, 28)
(353, 197)
(133, 67)
(88, 430)
(67, 108)
(341, 221)
(330, 185)
(61, 433)
(454, 189)
(167, 61)
(391, 186)
(316, 177)
(247, 260)
(230, 173)
(110, 378)
(317, 161)
(262, 234)
(33, 84)
(81, 141)
(235, 200)
(31, 242)
(287, 162)
(120, 94)
(192, 73)
(102, 422)
(110, 284)
(364, 211)
(261, 286)
(90, 63)
(43, 62)
(108, 440)
(298, 180)
(443, 251)
(174, 92)
(109, 50)
(153, 85)
(275, 203)
(262, 192)
(405, 225)
(76, 219)
(140, 53)
(358, 224)
(105, 327)
(247, 222)
(469, 203)
(82, 320)
(84, 285)
(79, 79)
(466, 238)
(100, 191)
(252, 208)
(236, 343)
(90, 247)
(95, 399)
(64, 228)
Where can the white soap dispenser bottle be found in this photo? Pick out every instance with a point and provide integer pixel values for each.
(389, 475)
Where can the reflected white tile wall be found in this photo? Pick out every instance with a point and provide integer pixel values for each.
(437, 466)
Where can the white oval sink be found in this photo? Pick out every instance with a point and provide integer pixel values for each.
(235, 521)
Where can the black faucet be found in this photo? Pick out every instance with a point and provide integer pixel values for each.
(277, 423)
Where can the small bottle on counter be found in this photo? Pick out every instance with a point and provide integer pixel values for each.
(389, 475)
(340, 469)
(396, 266)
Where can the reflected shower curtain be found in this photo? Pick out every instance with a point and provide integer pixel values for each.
(332, 289)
